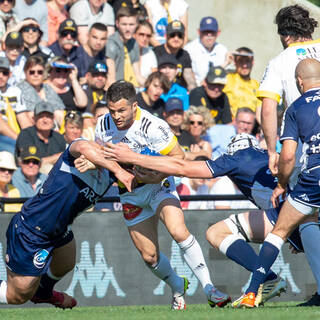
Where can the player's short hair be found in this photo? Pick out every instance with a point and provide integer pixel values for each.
(295, 21)
(99, 26)
(126, 12)
(242, 141)
(163, 79)
(121, 90)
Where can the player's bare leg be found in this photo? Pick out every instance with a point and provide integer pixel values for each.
(172, 216)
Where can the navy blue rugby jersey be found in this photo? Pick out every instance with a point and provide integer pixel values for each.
(249, 171)
(64, 195)
(302, 120)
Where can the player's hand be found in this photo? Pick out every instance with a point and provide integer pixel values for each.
(277, 192)
(82, 164)
(127, 178)
(273, 162)
(117, 152)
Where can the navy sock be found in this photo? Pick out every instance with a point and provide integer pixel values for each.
(242, 253)
(268, 255)
(45, 287)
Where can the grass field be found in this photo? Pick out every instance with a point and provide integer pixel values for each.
(272, 311)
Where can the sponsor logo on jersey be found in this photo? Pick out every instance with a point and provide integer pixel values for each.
(304, 197)
(301, 52)
(39, 259)
(312, 98)
(130, 211)
(89, 194)
(125, 140)
(165, 133)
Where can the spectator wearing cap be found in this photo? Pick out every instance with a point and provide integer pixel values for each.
(211, 95)
(122, 50)
(73, 126)
(66, 46)
(173, 45)
(149, 99)
(32, 34)
(34, 90)
(57, 13)
(94, 48)
(27, 178)
(240, 88)
(205, 49)
(13, 113)
(63, 79)
(8, 19)
(162, 12)
(87, 12)
(168, 66)
(7, 190)
(13, 47)
(96, 77)
(36, 9)
(49, 143)
(173, 114)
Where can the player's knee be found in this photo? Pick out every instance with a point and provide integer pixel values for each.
(180, 233)
(212, 235)
(150, 258)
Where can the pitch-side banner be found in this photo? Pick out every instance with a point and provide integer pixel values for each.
(109, 270)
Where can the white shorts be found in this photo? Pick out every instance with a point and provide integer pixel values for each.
(143, 202)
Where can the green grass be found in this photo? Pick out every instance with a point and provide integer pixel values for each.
(272, 311)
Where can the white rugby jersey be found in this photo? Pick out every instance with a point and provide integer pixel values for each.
(278, 80)
(11, 96)
(146, 131)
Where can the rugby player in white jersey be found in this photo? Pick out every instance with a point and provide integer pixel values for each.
(295, 28)
(155, 197)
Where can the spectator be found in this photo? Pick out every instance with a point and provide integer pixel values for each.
(95, 46)
(162, 12)
(211, 95)
(66, 46)
(12, 111)
(173, 115)
(36, 9)
(197, 120)
(148, 61)
(63, 79)
(57, 13)
(220, 135)
(8, 19)
(27, 178)
(13, 47)
(35, 90)
(49, 143)
(96, 79)
(87, 12)
(134, 4)
(31, 34)
(73, 126)
(7, 190)
(173, 45)
(205, 50)
(149, 99)
(122, 50)
(168, 66)
(240, 88)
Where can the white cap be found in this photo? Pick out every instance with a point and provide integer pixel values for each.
(7, 160)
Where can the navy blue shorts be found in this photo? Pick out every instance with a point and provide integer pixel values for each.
(294, 239)
(29, 254)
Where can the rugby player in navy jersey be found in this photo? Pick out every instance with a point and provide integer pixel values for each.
(40, 245)
(246, 164)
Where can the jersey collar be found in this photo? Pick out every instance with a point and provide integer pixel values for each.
(303, 43)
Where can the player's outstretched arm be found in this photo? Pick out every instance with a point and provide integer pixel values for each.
(94, 153)
(169, 165)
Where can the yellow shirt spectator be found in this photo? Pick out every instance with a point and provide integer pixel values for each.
(12, 193)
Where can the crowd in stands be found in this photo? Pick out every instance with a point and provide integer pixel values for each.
(58, 58)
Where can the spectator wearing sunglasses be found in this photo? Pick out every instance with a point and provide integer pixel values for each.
(8, 19)
(27, 178)
(13, 47)
(87, 12)
(173, 45)
(36, 9)
(66, 46)
(49, 143)
(63, 79)
(34, 90)
(7, 190)
(31, 34)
